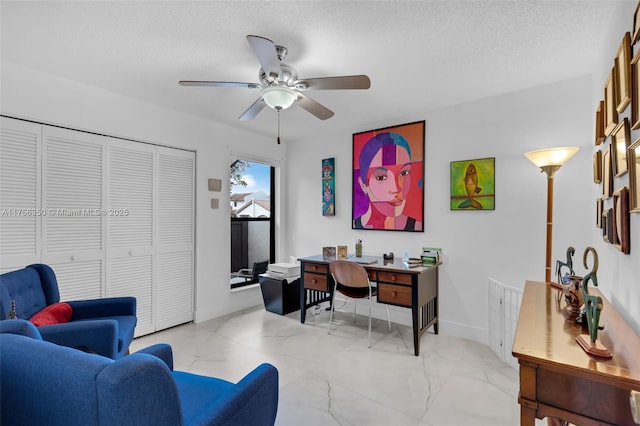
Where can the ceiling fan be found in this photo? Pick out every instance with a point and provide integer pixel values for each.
(279, 84)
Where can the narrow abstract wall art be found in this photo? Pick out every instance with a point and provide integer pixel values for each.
(388, 178)
(473, 184)
(328, 187)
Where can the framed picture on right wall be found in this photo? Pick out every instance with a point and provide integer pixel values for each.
(607, 173)
(633, 156)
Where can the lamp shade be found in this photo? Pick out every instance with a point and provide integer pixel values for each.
(279, 97)
(551, 156)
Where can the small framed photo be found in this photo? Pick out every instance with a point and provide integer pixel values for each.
(635, 91)
(599, 205)
(622, 68)
(342, 252)
(607, 225)
(597, 167)
(633, 155)
(607, 175)
(619, 144)
(620, 228)
(600, 123)
(329, 253)
(610, 112)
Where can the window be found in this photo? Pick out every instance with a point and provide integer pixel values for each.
(252, 224)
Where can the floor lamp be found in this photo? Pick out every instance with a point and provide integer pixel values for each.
(549, 161)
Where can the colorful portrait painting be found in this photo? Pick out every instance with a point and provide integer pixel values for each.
(388, 178)
(473, 184)
(328, 187)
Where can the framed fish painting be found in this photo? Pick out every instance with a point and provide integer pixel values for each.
(473, 184)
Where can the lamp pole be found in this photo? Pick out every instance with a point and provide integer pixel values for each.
(550, 171)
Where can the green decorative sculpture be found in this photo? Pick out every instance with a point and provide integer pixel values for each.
(561, 266)
(592, 307)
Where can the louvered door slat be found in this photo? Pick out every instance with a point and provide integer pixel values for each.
(130, 195)
(19, 192)
(132, 276)
(73, 189)
(175, 284)
(79, 280)
(175, 198)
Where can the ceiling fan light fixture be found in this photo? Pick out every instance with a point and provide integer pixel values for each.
(279, 97)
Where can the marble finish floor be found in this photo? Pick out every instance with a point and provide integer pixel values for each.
(336, 380)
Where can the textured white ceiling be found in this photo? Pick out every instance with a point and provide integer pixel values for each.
(420, 55)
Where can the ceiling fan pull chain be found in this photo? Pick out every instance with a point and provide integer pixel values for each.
(278, 125)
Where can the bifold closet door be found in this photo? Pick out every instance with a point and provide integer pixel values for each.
(111, 217)
(130, 226)
(175, 237)
(20, 209)
(73, 195)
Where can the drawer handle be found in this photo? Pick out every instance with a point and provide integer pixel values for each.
(313, 281)
(315, 268)
(394, 278)
(394, 294)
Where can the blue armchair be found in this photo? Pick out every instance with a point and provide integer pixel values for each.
(104, 326)
(47, 384)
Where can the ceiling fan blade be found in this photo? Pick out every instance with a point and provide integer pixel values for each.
(253, 110)
(337, 83)
(314, 107)
(218, 84)
(266, 53)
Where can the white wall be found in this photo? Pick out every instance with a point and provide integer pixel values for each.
(618, 275)
(32, 95)
(507, 244)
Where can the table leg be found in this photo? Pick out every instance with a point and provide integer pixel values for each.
(527, 416)
(303, 301)
(416, 330)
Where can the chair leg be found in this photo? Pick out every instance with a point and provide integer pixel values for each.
(355, 305)
(369, 322)
(333, 306)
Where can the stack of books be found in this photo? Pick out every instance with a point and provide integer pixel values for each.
(431, 255)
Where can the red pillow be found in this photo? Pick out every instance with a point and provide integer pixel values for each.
(56, 313)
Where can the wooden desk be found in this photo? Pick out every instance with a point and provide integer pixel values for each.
(399, 285)
(557, 378)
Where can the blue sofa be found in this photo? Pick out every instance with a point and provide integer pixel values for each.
(46, 384)
(104, 326)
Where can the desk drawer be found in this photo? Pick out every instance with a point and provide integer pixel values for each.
(316, 267)
(315, 282)
(393, 277)
(394, 294)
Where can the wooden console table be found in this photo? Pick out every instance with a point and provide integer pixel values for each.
(557, 378)
(399, 285)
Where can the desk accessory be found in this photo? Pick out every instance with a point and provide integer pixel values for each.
(359, 248)
(329, 252)
(431, 255)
